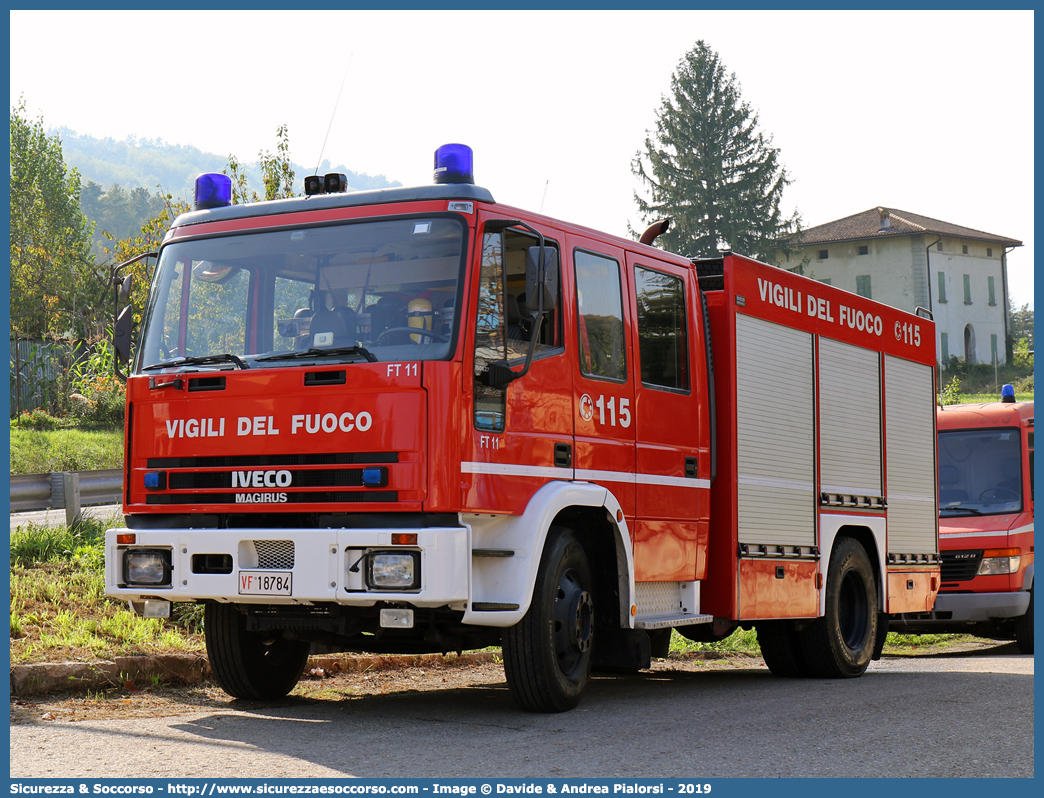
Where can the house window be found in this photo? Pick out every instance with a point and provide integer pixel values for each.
(993, 348)
(863, 285)
(824, 254)
(939, 246)
(967, 289)
(989, 282)
(944, 345)
(989, 252)
(964, 249)
(864, 250)
(942, 287)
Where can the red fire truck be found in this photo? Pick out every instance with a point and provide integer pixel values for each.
(986, 523)
(416, 420)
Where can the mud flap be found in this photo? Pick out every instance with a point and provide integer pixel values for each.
(882, 633)
(621, 650)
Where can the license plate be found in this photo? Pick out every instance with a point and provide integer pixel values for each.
(264, 583)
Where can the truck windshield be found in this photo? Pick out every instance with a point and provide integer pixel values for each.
(364, 291)
(980, 472)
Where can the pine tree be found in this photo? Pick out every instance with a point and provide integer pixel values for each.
(709, 168)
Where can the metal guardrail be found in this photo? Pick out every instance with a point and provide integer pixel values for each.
(68, 489)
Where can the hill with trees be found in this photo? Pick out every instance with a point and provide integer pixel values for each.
(124, 182)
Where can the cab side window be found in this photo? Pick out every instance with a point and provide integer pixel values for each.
(663, 346)
(519, 311)
(600, 325)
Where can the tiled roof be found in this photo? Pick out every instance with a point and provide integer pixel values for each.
(890, 222)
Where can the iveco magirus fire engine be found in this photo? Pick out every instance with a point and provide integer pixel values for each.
(415, 420)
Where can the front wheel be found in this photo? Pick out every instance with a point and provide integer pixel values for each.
(841, 643)
(547, 655)
(247, 664)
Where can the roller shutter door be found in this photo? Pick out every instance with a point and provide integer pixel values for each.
(910, 437)
(775, 418)
(849, 420)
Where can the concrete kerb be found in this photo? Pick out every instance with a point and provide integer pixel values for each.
(178, 669)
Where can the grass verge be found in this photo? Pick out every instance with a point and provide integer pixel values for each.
(59, 611)
(40, 451)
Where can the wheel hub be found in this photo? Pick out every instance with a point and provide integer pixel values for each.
(573, 620)
(582, 612)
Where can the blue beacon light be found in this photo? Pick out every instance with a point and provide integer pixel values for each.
(454, 163)
(213, 190)
(1008, 393)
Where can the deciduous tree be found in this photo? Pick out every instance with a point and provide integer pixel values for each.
(55, 283)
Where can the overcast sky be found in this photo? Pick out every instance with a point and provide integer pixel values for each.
(928, 112)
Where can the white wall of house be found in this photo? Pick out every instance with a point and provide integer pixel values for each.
(957, 312)
(895, 270)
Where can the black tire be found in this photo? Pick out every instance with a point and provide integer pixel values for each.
(1024, 629)
(841, 643)
(781, 649)
(252, 665)
(547, 655)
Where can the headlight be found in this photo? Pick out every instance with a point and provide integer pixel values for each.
(393, 570)
(146, 567)
(1000, 561)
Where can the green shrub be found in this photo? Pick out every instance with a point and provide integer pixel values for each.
(99, 394)
(951, 394)
(38, 420)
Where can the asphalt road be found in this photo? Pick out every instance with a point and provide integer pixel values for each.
(949, 715)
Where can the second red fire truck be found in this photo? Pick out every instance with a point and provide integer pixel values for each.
(986, 524)
(416, 420)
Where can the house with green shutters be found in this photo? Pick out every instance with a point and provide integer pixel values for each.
(910, 261)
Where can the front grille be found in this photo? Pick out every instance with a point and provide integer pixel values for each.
(274, 479)
(325, 478)
(960, 566)
(274, 554)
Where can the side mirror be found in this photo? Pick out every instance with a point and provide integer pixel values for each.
(541, 277)
(124, 285)
(121, 334)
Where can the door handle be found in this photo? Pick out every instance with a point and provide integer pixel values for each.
(563, 455)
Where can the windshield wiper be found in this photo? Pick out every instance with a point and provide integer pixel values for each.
(313, 352)
(201, 360)
(959, 509)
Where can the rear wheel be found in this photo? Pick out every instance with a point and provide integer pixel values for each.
(1024, 629)
(781, 648)
(841, 643)
(547, 655)
(254, 665)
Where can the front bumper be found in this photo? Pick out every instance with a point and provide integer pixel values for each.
(951, 608)
(319, 562)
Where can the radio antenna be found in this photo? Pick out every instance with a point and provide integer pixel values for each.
(543, 197)
(338, 100)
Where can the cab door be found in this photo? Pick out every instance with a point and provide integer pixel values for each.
(521, 434)
(672, 451)
(603, 387)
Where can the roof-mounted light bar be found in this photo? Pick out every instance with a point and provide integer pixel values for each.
(213, 190)
(454, 163)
